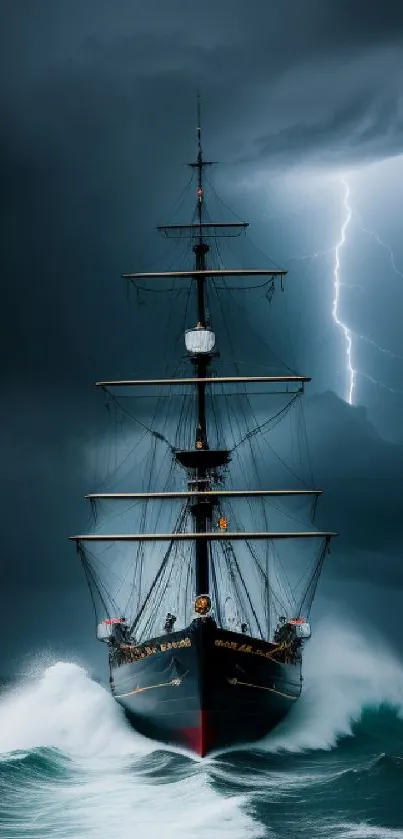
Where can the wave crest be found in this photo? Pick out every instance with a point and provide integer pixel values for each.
(346, 671)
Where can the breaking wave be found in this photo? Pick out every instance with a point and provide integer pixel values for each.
(70, 766)
(345, 674)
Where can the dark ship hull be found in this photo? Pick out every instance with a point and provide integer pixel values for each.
(205, 688)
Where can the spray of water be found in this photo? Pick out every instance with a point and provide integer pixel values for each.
(346, 671)
(80, 771)
(101, 778)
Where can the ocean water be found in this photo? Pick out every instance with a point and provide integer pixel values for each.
(71, 767)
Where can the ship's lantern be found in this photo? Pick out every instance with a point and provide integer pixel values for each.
(223, 522)
(203, 604)
(105, 629)
(199, 340)
(301, 627)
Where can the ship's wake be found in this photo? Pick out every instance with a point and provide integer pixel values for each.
(71, 767)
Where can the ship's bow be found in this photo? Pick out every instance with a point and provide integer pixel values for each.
(205, 688)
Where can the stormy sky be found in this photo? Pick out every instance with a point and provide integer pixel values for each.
(97, 106)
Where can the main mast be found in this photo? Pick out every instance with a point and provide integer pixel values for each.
(202, 509)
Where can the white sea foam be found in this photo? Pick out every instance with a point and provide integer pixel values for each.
(113, 782)
(362, 830)
(64, 708)
(106, 787)
(345, 671)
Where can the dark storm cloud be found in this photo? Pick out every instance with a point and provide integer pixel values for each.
(361, 474)
(96, 106)
(272, 72)
(97, 110)
(370, 23)
(360, 131)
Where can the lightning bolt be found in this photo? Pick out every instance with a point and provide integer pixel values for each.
(382, 244)
(350, 335)
(379, 384)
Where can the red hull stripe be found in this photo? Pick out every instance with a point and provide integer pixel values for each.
(199, 739)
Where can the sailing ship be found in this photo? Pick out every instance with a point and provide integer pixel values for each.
(204, 629)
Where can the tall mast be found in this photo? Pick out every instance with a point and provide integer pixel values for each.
(202, 509)
(201, 462)
(199, 165)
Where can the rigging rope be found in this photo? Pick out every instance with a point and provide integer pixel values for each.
(149, 430)
(262, 425)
